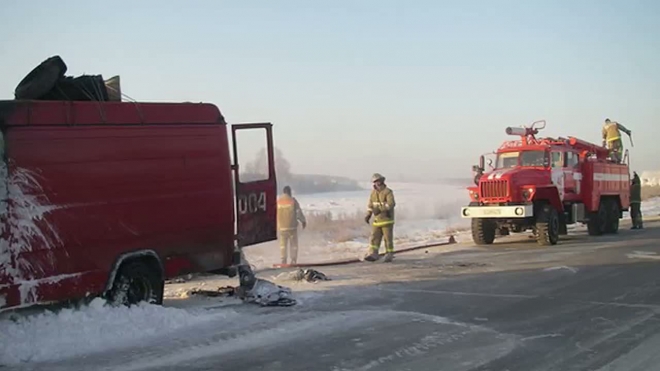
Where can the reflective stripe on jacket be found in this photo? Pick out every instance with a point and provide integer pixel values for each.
(384, 200)
(289, 213)
(612, 131)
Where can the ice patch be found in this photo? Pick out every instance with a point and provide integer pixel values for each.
(424, 345)
(571, 269)
(544, 336)
(644, 252)
(308, 297)
(98, 327)
(643, 256)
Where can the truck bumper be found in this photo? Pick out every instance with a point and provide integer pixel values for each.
(505, 212)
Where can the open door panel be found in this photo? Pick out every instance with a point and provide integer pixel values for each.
(255, 185)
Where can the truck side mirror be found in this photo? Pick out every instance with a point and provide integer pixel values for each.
(481, 162)
(476, 168)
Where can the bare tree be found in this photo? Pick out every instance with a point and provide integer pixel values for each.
(260, 165)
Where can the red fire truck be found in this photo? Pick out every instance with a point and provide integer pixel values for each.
(544, 184)
(112, 198)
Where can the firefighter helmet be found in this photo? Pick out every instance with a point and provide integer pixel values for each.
(377, 177)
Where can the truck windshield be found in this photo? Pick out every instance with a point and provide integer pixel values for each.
(524, 159)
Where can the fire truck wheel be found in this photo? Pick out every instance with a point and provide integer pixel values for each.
(137, 281)
(613, 213)
(596, 225)
(483, 231)
(547, 226)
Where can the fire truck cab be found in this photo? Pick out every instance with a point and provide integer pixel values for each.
(544, 184)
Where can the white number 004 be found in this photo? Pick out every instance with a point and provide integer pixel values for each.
(252, 203)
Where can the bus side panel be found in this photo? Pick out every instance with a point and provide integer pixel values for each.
(92, 193)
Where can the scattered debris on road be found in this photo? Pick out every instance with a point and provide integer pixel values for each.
(182, 279)
(225, 291)
(309, 275)
(263, 293)
(267, 294)
(453, 265)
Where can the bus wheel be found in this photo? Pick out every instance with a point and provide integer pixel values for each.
(137, 281)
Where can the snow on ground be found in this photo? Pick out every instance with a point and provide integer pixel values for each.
(414, 200)
(424, 213)
(651, 207)
(94, 328)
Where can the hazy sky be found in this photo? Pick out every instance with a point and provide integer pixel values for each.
(413, 88)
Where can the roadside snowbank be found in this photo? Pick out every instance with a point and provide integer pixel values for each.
(98, 327)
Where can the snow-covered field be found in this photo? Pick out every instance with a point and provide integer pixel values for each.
(651, 208)
(425, 213)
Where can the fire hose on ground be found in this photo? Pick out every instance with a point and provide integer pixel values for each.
(451, 241)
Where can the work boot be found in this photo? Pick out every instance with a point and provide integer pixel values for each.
(388, 257)
(372, 256)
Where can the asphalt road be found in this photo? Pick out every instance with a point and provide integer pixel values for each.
(586, 304)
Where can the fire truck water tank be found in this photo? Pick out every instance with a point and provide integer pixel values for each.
(516, 131)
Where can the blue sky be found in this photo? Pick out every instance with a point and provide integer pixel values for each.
(406, 88)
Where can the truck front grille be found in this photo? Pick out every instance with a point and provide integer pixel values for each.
(494, 189)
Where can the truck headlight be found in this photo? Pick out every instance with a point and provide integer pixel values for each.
(519, 211)
(466, 212)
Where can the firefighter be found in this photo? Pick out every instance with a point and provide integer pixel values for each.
(612, 138)
(289, 214)
(381, 207)
(636, 202)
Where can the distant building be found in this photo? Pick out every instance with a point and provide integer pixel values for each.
(650, 178)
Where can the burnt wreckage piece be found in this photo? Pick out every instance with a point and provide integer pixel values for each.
(47, 82)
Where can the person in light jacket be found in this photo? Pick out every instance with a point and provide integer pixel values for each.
(612, 138)
(289, 214)
(381, 207)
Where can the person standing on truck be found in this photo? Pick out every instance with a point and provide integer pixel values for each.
(381, 206)
(636, 202)
(612, 138)
(289, 214)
